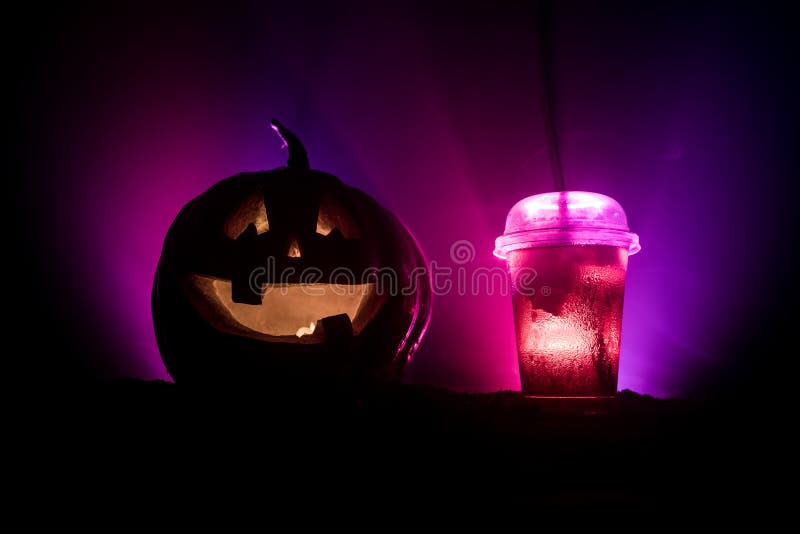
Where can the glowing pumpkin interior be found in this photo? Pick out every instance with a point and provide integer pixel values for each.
(287, 312)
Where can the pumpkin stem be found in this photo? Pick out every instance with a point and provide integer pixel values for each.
(298, 158)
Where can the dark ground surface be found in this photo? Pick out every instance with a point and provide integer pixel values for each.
(165, 439)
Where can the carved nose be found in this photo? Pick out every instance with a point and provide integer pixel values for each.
(294, 248)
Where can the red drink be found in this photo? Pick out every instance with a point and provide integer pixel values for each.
(567, 256)
(568, 323)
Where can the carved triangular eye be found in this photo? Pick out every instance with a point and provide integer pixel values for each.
(333, 215)
(251, 211)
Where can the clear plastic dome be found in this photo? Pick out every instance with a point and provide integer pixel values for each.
(566, 218)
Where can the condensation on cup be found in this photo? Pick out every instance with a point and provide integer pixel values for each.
(567, 254)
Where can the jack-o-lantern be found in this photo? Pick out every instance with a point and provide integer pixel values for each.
(289, 277)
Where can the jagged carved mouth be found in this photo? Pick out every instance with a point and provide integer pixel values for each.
(289, 313)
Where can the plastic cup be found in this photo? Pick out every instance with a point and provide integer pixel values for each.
(567, 255)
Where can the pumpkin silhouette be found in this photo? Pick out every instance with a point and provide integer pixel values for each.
(289, 278)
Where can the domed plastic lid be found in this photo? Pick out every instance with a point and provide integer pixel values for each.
(566, 218)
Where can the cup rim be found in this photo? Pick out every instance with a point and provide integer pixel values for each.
(566, 236)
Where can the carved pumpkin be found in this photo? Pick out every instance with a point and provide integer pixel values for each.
(291, 278)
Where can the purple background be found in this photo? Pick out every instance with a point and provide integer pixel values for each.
(677, 112)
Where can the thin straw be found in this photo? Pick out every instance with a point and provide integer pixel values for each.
(552, 147)
(545, 23)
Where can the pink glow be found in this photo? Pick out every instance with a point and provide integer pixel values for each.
(439, 123)
(578, 200)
